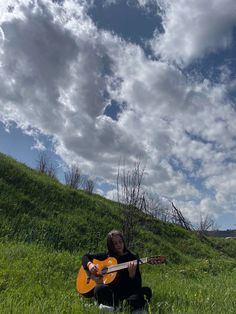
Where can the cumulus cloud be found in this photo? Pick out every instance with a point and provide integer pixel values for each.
(194, 28)
(59, 72)
(185, 128)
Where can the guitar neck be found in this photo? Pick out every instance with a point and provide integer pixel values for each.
(120, 266)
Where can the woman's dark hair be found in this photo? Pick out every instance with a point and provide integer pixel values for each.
(110, 245)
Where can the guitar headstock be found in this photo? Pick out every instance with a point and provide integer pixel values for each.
(159, 259)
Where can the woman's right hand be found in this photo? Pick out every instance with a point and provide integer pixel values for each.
(93, 268)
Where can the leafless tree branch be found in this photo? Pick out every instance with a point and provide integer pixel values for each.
(73, 177)
(89, 186)
(131, 197)
(45, 165)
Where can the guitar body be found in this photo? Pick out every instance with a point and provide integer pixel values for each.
(107, 272)
(86, 282)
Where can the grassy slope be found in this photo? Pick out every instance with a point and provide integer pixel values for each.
(35, 208)
(38, 210)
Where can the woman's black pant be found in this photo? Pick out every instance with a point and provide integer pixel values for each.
(137, 300)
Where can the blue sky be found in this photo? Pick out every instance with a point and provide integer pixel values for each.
(94, 82)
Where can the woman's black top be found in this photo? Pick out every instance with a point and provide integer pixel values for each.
(124, 286)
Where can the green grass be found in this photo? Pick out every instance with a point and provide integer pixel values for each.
(34, 279)
(201, 287)
(38, 280)
(45, 227)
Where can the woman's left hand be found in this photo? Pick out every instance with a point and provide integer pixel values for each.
(132, 269)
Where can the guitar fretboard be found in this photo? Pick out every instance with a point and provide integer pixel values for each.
(120, 266)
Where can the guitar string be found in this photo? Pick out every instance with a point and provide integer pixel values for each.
(117, 267)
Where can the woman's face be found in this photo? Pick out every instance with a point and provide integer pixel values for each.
(118, 244)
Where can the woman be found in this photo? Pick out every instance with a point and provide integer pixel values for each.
(129, 284)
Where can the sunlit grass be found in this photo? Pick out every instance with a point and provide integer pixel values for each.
(38, 280)
(193, 289)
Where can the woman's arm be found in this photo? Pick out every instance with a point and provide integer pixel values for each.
(88, 258)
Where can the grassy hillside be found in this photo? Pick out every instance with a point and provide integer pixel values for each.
(38, 209)
(45, 227)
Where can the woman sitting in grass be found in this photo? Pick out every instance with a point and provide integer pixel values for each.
(129, 284)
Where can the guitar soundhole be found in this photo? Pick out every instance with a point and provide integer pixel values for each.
(104, 270)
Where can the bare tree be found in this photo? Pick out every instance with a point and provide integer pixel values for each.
(45, 165)
(156, 207)
(206, 223)
(129, 189)
(51, 171)
(42, 162)
(131, 197)
(89, 186)
(73, 177)
(179, 218)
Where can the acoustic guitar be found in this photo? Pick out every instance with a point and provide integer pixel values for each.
(107, 272)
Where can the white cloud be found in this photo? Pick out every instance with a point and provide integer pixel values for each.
(38, 145)
(194, 28)
(172, 117)
(57, 75)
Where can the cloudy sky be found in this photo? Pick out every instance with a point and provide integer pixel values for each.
(96, 82)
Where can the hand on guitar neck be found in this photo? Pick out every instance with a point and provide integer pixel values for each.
(132, 269)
